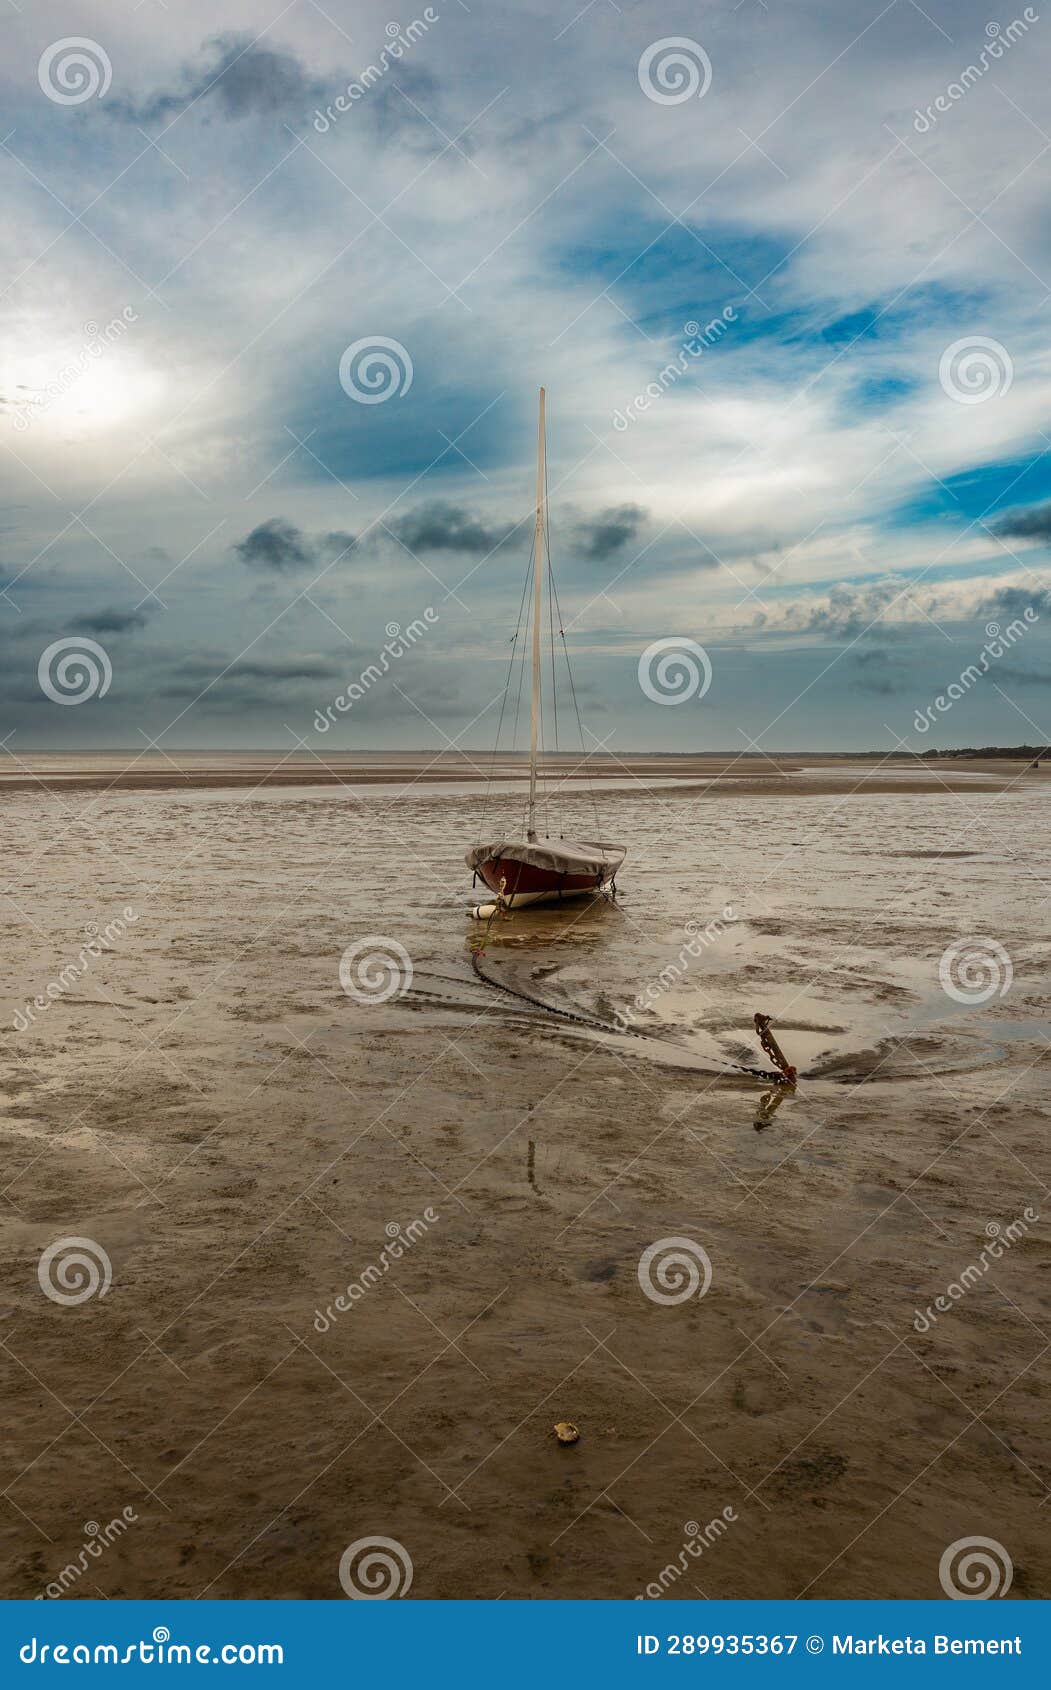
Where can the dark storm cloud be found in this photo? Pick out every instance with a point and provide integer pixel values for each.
(851, 610)
(278, 546)
(236, 76)
(1024, 677)
(36, 632)
(297, 669)
(253, 679)
(876, 672)
(396, 109)
(275, 544)
(1031, 524)
(600, 537)
(107, 621)
(442, 527)
(1015, 601)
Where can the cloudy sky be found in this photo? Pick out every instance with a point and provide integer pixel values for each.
(280, 283)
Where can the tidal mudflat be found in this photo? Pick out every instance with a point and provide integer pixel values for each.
(244, 1137)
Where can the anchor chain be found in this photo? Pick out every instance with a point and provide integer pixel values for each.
(477, 952)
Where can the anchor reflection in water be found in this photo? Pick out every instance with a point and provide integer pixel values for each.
(769, 1104)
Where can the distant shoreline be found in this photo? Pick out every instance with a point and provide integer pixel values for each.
(1017, 753)
(672, 774)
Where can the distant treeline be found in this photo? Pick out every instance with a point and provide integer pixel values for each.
(1010, 753)
(1017, 753)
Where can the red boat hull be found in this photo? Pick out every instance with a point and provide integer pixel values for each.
(525, 879)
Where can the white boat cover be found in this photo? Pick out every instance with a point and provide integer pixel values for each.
(563, 856)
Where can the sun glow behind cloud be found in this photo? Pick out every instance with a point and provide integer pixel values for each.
(69, 392)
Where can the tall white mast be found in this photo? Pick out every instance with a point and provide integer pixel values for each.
(539, 553)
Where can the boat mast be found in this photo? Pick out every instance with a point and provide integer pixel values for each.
(538, 566)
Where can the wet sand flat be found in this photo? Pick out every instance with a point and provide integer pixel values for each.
(242, 1137)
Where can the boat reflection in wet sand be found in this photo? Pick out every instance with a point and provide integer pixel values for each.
(530, 869)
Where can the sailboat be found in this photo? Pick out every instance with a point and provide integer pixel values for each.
(537, 869)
